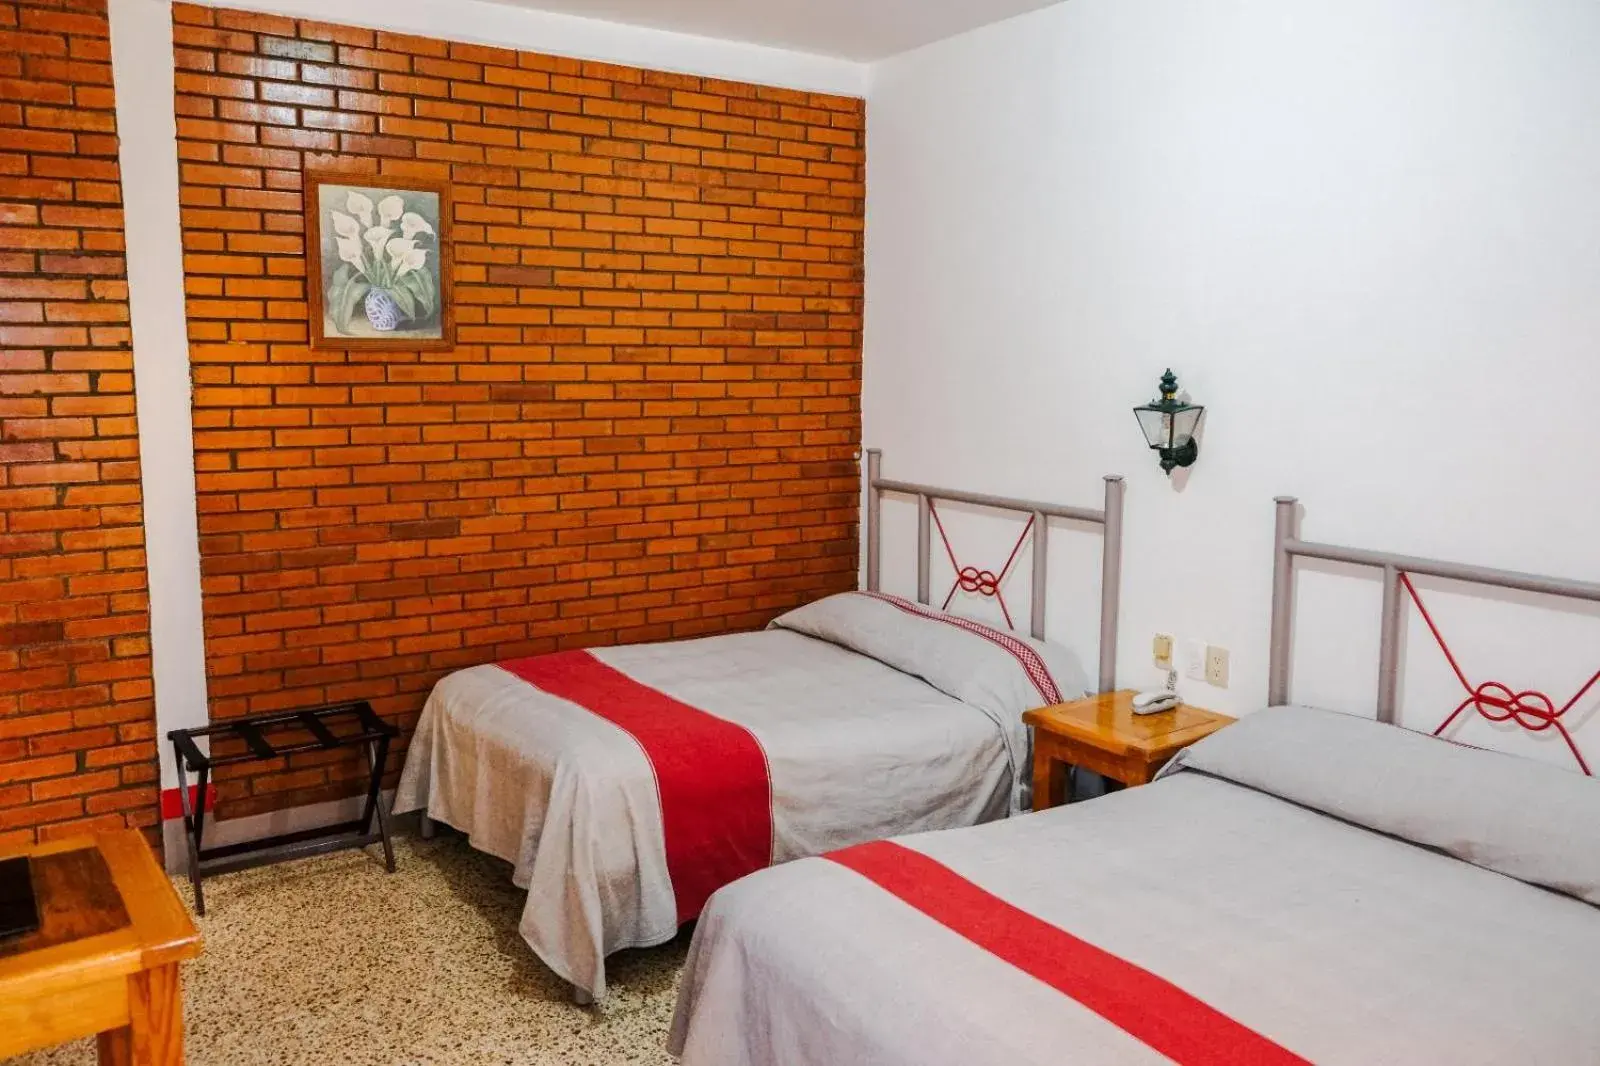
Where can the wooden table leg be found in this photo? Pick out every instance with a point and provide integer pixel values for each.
(155, 1009)
(116, 1047)
(1050, 778)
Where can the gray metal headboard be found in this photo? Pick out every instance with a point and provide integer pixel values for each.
(1109, 518)
(1289, 547)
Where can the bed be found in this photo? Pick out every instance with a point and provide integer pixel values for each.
(1303, 886)
(625, 785)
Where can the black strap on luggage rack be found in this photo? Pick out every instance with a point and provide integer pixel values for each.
(328, 728)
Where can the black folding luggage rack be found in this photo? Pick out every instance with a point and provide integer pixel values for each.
(372, 734)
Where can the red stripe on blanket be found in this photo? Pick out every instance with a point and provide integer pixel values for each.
(1031, 661)
(711, 774)
(1152, 1010)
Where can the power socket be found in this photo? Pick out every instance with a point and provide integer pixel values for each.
(1217, 666)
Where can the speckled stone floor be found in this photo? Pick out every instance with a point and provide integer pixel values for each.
(332, 961)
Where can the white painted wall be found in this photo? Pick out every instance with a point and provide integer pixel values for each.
(141, 62)
(1365, 233)
(141, 39)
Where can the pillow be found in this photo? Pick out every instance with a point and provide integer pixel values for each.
(1000, 673)
(965, 658)
(1537, 823)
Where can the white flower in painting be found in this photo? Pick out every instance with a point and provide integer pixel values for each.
(378, 236)
(359, 206)
(345, 225)
(390, 208)
(412, 224)
(406, 256)
(350, 252)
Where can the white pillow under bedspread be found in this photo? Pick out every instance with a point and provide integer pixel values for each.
(1000, 672)
(1525, 819)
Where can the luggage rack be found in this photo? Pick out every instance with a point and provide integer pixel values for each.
(371, 733)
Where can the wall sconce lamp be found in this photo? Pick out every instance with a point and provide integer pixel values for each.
(1169, 425)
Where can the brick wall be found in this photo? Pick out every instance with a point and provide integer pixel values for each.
(76, 717)
(646, 430)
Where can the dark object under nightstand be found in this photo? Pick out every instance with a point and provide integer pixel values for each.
(343, 725)
(19, 912)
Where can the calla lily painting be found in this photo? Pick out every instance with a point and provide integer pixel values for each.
(379, 264)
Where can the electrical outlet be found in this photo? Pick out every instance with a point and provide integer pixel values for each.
(1161, 648)
(1217, 666)
(1194, 660)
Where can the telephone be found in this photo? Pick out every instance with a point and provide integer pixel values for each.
(1154, 702)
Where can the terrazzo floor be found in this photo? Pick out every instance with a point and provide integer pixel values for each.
(332, 961)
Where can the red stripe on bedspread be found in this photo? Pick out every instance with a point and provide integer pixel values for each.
(1155, 1011)
(711, 774)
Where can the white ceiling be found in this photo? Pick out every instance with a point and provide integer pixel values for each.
(861, 30)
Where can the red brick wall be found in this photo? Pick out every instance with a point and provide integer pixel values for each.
(76, 717)
(646, 430)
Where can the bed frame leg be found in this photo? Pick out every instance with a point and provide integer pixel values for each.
(426, 828)
(581, 998)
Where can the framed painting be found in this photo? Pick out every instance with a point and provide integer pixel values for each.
(377, 262)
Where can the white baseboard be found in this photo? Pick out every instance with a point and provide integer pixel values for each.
(255, 826)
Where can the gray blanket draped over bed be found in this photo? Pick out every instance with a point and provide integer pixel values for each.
(1353, 892)
(875, 720)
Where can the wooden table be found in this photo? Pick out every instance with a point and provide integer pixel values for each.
(105, 957)
(1101, 733)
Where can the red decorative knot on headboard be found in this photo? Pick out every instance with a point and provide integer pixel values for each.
(972, 579)
(1530, 709)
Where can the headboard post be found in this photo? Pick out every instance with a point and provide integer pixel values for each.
(1282, 600)
(1389, 648)
(1111, 582)
(874, 515)
(1041, 557)
(924, 547)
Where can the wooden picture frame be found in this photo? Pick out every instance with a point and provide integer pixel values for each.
(378, 262)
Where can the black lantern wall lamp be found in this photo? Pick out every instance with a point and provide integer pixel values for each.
(1169, 425)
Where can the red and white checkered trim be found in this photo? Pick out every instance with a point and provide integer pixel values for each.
(1029, 659)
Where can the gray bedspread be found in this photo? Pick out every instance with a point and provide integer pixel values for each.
(1326, 935)
(857, 749)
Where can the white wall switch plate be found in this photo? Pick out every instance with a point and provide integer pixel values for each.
(1161, 648)
(1217, 666)
(1194, 660)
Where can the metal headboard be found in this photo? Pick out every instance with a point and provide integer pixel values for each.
(1395, 567)
(1109, 518)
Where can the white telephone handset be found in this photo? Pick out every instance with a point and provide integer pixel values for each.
(1156, 702)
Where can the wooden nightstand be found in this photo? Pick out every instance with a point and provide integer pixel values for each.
(1101, 733)
(105, 957)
